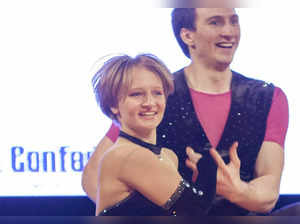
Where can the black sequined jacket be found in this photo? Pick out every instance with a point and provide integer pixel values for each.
(250, 104)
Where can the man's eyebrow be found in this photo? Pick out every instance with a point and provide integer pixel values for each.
(214, 17)
(220, 17)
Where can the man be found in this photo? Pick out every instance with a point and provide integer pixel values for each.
(212, 108)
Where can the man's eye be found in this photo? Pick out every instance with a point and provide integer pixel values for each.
(235, 22)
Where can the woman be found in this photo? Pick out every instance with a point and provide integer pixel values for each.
(136, 176)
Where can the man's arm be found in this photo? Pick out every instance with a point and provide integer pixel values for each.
(90, 172)
(260, 194)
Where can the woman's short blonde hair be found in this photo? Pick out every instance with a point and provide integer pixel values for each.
(112, 80)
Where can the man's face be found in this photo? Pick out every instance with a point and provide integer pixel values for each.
(217, 35)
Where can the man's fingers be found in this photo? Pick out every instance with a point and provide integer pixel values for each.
(234, 158)
(218, 159)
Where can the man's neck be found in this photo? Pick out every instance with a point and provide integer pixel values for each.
(208, 80)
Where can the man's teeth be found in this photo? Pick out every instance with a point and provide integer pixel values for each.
(226, 45)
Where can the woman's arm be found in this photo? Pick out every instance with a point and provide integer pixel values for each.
(163, 185)
(90, 172)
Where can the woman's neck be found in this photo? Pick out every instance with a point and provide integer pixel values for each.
(144, 135)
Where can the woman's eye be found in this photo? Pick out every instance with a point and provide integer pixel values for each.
(159, 93)
(135, 94)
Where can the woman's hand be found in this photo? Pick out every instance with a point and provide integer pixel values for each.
(191, 161)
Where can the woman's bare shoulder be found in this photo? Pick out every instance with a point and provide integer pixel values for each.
(121, 154)
(172, 155)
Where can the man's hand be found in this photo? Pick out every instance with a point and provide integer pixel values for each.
(229, 183)
(191, 162)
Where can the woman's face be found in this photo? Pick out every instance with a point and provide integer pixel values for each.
(142, 108)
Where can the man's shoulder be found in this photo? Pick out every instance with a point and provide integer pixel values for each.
(179, 74)
(252, 82)
(181, 88)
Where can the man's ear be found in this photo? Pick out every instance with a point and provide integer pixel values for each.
(187, 36)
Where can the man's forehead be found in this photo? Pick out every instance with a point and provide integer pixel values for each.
(211, 12)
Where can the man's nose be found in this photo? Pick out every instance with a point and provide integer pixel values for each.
(229, 31)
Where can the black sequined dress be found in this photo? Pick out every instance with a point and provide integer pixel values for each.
(188, 199)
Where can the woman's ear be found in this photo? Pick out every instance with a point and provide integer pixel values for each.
(115, 110)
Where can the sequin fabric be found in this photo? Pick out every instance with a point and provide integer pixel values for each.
(187, 200)
(182, 185)
(250, 104)
(134, 205)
